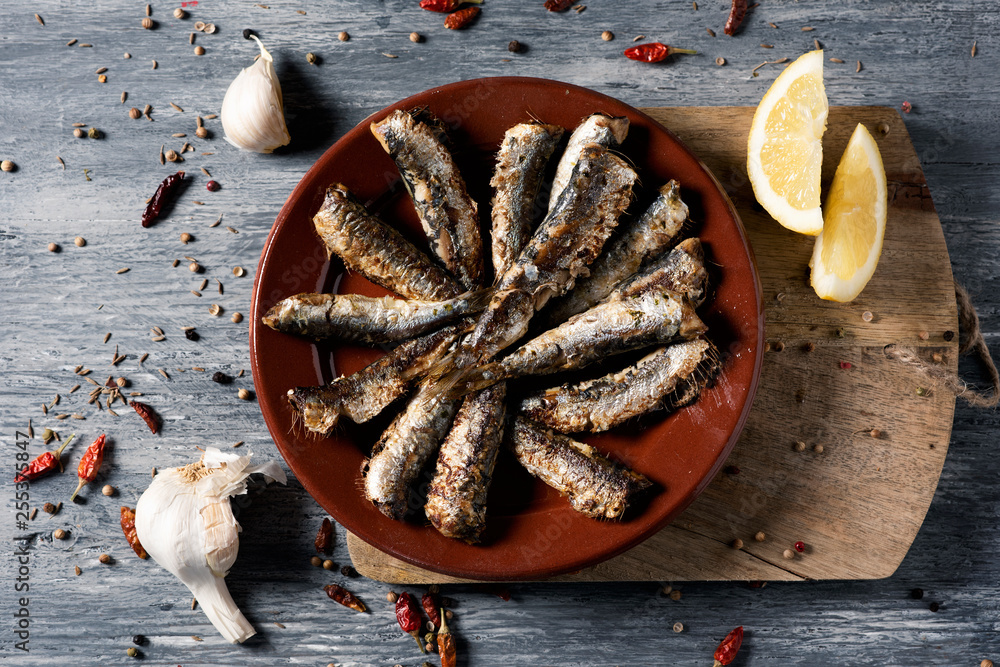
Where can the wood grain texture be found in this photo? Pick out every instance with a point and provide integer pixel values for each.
(910, 51)
(858, 504)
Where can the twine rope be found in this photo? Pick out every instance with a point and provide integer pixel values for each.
(970, 342)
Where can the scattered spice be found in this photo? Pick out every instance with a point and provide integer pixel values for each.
(678, 627)
(779, 61)
(867, 316)
(79, 134)
(163, 191)
(148, 415)
(238, 271)
(71, 42)
(344, 597)
(77, 570)
(737, 543)
(711, 33)
(7, 165)
(49, 508)
(429, 602)
(391, 597)
(653, 52)
(124, 269)
(147, 23)
(221, 377)
(90, 464)
(837, 60)
(324, 537)
(907, 107)
(858, 68)
(215, 310)
(759, 536)
(720, 61)
(128, 527)
(800, 546)
(108, 490)
(237, 318)
(675, 595)
(408, 617)
(948, 336)
(558, 5)
(94, 133)
(767, 46)
(39, 19)
(316, 561)
(607, 35)
(514, 46)
(194, 267)
(638, 38)
(974, 55)
(728, 648)
(917, 593)
(819, 449)
(343, 36)
(60, 534)
(461, 18)
(44, 464)
(329, 565)
(934, 606)
(213, 186)
(244, 394)
(53, 247)
(105, 559)
(61, 162)
(845, 365)
(736, 14)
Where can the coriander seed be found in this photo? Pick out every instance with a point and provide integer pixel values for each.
(186, 238)
(53, 247)
(343, 36)
(867, 316)
(760, 536)
(134, 113)
(737, 543)
(209, 28)
(416, 37)
(147, 23)
(788, 553)
(179, 13)
(201, 133)
(246, 31)
(199, 50)
(311, 58)
(238, 271)
(329, 565)
(237, 318)
(215, 310)
(391, 597)
(60, 534)
(316, 561)
(720, 61)
(243, 394)
(678, 627)
(818, 449)
(800, 446)
(607, 35)
(7, 165)
(104, 558)
(78, 133)
(675, 595)
(194, 267)
(108, 490)
(199, 26)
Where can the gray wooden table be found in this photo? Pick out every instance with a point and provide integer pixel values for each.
(57, 308)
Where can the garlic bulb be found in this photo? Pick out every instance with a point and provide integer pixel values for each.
(185, 522)
(253, 114)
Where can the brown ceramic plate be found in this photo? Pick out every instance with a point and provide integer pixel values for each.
(531, 531)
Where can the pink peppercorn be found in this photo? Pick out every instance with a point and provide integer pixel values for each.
(907, 107)
(845, 365)
(213, 186)
(800, 546)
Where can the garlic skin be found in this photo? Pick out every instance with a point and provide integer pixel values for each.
(185, 522)
(253, 114)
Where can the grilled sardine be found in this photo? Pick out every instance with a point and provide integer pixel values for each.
(594, 484)
(525, 151)
(364, 394)
(599, 128)
(400, 454)
(635, 244)
(682, 270)
(597, 405)
(617, 325)
(448, 214)
(456, 501)
(377, 251)
(357, 318)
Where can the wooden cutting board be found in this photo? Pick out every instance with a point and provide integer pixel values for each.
(854, 500)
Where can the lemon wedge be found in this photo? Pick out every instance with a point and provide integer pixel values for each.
(847, 251)
(784, 150)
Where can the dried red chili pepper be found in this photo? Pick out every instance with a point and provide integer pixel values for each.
(128, 527)
(736, 14)
(165, 189)
(430, 604)
(43, 464)
(653, 52)
(446, 644)
(324, 537)
(729, 647)
(461, 18)
(151, 418)
(344, 597)
(558, 5)
(90, 464)
(446, 6)
(408, 617)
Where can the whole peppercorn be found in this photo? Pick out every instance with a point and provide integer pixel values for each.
(675, 595)
(213, 186)
(348, 571)
(7, 165)
(247, 32)
(221, 377)
(934, 606)
(79, 133)
(49, 508)
(514, 46)
(138, 640)
(760, 536)
(244, 394)
(788, 553)
(201, 133)
(737, 543)
(191, 334)
(917, 593)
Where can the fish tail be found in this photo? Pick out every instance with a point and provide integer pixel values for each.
(691, 324)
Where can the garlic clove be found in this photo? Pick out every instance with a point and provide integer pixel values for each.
(253, 116)
(185, 522)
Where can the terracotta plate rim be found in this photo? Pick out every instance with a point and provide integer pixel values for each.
(529, 571)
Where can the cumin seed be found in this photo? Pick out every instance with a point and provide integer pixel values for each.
(39, 19)
(76, 416)
(86, 46)
(163, 159)
(71, 42)
(124, 96)
(195, 293)
(154, 64)
(205, 171)
(135, 393)
(974, 48)
(211, 116)
(234, 231)
(176, 108)
(85, 371)
(90, 380)
(112, 412)
(61, 416)
(240, 374)
(124, 269)
(638, 37)
(149, 10)
(858, 68)
(61, 162)
(178, 135)
(808, 28)
(163, 373)
(107, 337)
(772, 25)
(199, 203)
(198, 368)
(767, 46)
(389, 55)
(216, 223)
(157, 330)
(711, 33)
(220, 285)
(238, 444)
(837, 60)
(204, 283)
(143, 357)
(74, 388)
(157, 339)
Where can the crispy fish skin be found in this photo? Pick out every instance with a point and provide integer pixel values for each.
(377, 251)
(448, 214)
(598, 128)
(651, 234)
(364, 394)
(569, 239)
(618, 325)
(595, 485)
(521, 161)
(603, 403)
(362, 319)
(456, 501)
(682, 270)
(400, 454)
